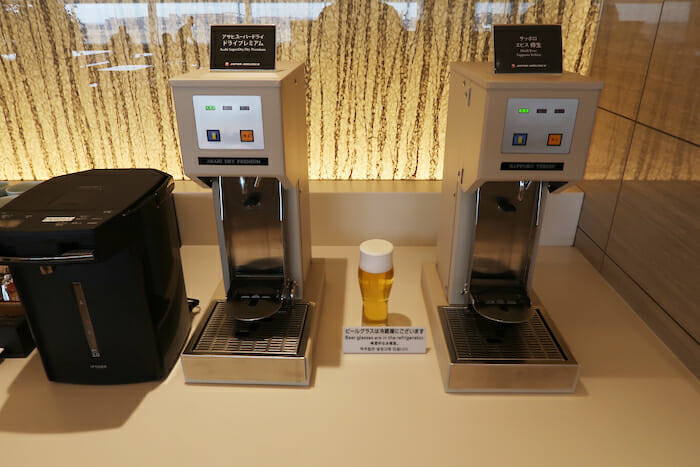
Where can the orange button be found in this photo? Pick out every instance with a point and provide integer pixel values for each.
(247, 136)
(554, 139)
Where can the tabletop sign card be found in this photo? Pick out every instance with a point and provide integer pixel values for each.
(527, 48)
(242, 47)
(380, 339)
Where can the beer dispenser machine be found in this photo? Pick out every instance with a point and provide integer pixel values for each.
(243, 133)
(511, 140)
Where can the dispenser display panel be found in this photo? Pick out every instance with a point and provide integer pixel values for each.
(539, 126)
(229, 122)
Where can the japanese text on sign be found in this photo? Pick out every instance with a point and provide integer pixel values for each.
(527, 48)
(231, 42)
(384, 340)
(242, 47)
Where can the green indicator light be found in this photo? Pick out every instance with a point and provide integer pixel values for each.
(210, 107)
(524, 111)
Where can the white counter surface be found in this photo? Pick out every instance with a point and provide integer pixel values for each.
(635, 405)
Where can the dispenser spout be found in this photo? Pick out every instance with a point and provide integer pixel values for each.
(523, 186)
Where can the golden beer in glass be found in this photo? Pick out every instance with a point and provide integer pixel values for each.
(375, 290)
(376, 275)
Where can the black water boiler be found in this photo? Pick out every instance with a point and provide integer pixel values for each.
(96, 260)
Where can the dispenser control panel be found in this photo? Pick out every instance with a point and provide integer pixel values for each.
(539, 126)
(229, 122)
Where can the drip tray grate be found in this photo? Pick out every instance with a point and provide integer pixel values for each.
(280, 334)
(477, 338)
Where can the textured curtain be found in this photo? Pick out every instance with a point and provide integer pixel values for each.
(85, 84)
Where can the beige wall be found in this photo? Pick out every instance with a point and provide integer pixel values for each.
(640, 222)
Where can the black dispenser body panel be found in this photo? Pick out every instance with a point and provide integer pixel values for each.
(95, 256)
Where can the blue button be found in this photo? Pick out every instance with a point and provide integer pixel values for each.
(213, 135)
(519, 139)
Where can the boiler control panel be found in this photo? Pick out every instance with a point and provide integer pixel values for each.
(539, 125)
(229, 122)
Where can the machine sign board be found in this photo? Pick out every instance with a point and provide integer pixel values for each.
(242, 47)
(527, 48)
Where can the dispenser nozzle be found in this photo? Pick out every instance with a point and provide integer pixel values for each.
(523, 186)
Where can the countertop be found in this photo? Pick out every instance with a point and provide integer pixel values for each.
(635, 404)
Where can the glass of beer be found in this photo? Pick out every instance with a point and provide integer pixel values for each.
(376, 274)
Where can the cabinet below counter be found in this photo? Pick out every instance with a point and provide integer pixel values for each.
(635, 404)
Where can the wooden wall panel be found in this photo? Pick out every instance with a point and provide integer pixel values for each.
(643, 197)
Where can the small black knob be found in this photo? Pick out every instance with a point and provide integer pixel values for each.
(505, 205)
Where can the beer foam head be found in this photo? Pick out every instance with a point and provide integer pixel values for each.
(376, 256)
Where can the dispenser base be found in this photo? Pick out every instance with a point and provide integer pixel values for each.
(478, 355)
(277, 350)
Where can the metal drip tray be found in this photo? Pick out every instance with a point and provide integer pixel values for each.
(476, 338)
(486, 356)
(275, 350)
(280, 334)
(476, 354)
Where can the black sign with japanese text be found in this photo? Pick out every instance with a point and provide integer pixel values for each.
(532, 166)
(242, 47)
(527, 48)
(233, 161)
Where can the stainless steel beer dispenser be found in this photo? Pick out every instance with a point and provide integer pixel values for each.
(511, 139)
(243, 133)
